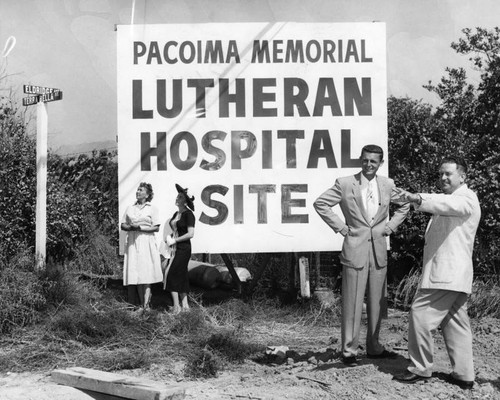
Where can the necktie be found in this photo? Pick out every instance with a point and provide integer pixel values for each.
(371, 202)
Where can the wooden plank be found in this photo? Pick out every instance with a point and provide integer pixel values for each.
(117, 385)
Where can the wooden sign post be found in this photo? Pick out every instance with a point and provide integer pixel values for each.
(40, 95)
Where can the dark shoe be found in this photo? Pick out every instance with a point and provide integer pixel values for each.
(350, 361)
(384, 354)
(409, 377)
(460, 383)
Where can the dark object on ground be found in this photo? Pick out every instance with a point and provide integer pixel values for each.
(409, 377)
(384, 354)
(350, 361)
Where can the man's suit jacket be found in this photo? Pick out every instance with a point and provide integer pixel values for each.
(449, 239)
(360, 235)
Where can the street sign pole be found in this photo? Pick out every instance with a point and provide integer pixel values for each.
(40, 95)
(41, 184)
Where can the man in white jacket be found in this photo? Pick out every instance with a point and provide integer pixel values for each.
(441, 299)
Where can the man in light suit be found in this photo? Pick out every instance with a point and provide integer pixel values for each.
(446, 282)
(364, 200)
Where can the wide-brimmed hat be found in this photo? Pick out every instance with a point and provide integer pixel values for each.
(189, 199)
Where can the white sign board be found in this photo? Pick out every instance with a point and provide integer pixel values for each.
(255, 119)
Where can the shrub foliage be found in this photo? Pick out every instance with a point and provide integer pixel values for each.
(466, 123)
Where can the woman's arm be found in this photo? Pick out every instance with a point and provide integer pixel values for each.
(186, 236)
(153, 228)
(126, 227)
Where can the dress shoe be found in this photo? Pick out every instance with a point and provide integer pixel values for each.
(350, 361)
(409, 377)
(459, 382)
(384, 354)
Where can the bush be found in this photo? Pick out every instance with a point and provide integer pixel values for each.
(62, 288)
(17, 183)
(95, 177)
(95, 256)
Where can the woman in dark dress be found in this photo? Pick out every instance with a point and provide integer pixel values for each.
(182, 224)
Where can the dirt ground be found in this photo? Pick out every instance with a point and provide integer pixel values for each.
(311, 370)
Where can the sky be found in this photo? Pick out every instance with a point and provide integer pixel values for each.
(71, 45)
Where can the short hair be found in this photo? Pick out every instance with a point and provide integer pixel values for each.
(461, 164)
(373, 148)
(149, 190)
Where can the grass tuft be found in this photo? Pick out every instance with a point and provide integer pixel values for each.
(203, 364)
(484, 300)
(87, 326)
(232, 312)
(193, 321)
(21, 293)
(61, 287)
(406, 289)
(230, 346)
(120, 359)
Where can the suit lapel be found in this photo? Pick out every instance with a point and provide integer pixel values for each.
(382, 192)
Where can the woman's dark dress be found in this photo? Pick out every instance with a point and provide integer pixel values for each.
(177, 277)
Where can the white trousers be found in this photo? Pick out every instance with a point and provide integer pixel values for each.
(433, 308)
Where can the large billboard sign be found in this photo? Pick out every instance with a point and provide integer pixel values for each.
(255, 119)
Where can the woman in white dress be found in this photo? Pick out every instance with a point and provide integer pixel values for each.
(141, 265)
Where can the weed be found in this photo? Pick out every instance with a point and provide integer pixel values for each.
(232, 312)
(64, 288)
(484, 299)
(21, 293)
(230, 346)
(405, 291)
(204, 364)
(95, 256)
(306, 313)
(37, 355)
(87, 326)
(192, 322)
(120, 359)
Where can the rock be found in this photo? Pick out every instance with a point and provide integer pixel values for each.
(312, 360)
(487, 388)
(333, 340)
(278, 351)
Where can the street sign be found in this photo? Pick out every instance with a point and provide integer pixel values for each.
(53, 96)
(32, 89)
(30, 100)
(40, 94)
